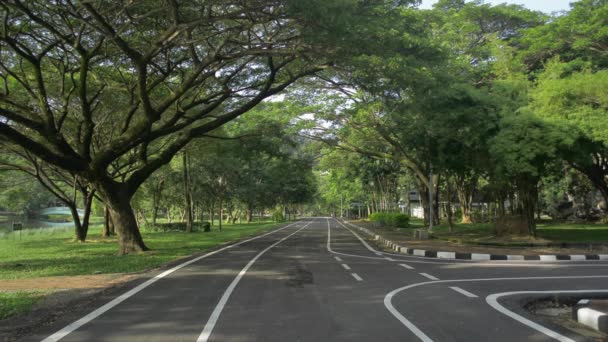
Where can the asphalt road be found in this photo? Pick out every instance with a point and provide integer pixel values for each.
(315, 280)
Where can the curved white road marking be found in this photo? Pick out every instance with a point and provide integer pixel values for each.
(329, 249)
(493, 301)
(505, 263)
(102, 309)
(388, 299)
(215, 315)
(458, 262)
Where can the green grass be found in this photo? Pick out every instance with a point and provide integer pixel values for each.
(550, 232)
(14, 303)
(56, 254)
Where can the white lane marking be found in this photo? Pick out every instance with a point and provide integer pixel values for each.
(515, 263)
(406, 266)
(360, 239)
(346, 267)
(338, 259)
(356, 276)
(463, 291)
(102, 309)
(345, 254)
(215, 315)
(390, 259)
(492, 300)
(388, 299)
(428, 276)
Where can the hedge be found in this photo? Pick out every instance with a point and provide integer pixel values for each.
(394, 220)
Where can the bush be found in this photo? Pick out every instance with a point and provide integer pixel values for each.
(393, 220)
(277, 216)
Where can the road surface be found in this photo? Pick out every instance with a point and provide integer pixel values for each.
(316, 280)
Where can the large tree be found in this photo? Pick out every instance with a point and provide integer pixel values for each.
(111, 90)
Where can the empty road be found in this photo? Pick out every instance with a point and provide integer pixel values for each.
(316, 280)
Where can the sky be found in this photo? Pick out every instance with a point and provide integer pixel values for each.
(546, 6)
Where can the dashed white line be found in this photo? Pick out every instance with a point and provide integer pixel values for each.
(428, 276)
(338, 259)
(356, 276)
(463, 291)
(406, 266)
(346, 267)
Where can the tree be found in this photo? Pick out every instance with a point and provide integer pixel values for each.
(112, 91)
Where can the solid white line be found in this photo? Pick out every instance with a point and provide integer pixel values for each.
(338, 259)
(406, 266)
(390, 259)
(102, 309)
(360, 239)
(428, 276)
(463, 291)
(388, 299)
(215, 315)
(492, 300)
(346, 267)
(356, 276)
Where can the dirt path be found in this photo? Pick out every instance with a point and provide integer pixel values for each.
(65, 282)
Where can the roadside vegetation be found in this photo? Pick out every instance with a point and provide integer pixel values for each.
(56, 254)
(15, 303)
(474, 117)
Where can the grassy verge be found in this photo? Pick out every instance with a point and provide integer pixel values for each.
(14, 303)
(56, 254)
(547, 232)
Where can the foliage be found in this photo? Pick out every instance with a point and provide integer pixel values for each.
(394, 220)
(56, 254)
(14, 303)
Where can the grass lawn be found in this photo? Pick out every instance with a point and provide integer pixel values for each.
(14, 303)
(56, 254)
(548, 232)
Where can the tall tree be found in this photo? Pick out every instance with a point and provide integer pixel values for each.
(110, 91)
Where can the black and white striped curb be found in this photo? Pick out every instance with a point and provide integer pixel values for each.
(474, 256)
(592, 314)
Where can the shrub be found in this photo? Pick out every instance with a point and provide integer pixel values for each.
(393, 220)
(277, 216)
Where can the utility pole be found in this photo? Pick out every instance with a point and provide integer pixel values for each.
(430, 196)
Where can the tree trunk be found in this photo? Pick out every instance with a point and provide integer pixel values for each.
(108, 226)
(528, 194)
(187, 193)
(448, 190)
(221, 212)
(118, 201)
(211, 214)
(465, 188)
(249, 214)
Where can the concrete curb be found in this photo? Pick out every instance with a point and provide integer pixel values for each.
(590, 316)
(475, 256)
